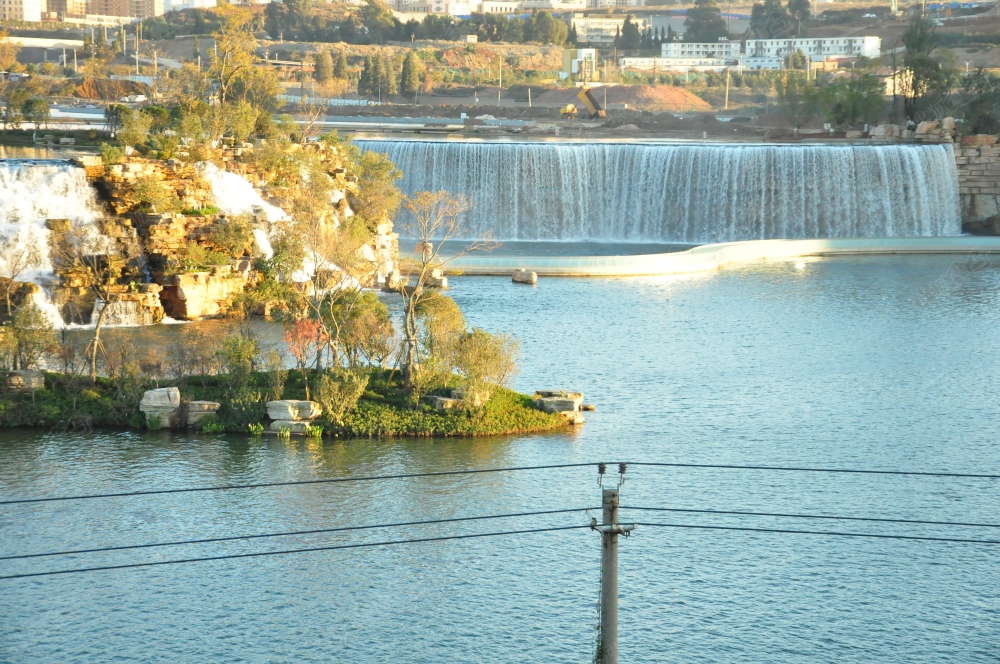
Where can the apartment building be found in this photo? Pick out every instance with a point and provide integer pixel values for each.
(22, 10)
(725, 49)
(814, 48)
(601, 30)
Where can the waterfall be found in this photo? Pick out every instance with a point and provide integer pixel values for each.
(687, 193)
(30, 193)
(122, 313)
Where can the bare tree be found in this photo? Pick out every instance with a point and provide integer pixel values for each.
(17, 255)
(435, 218)
(104, 262)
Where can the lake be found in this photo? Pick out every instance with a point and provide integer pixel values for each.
(877, 362)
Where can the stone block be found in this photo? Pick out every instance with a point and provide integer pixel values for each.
(926, 127)
(522, 276)
(443, 403)
(164, 397)
(556, 405)
(293, 426)
(25, 380)
(193, 419)
(291, 409)
(979, 139)
(571, 416)
(575, 397)
(203, 407)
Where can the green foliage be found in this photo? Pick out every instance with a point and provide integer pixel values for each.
(410, 76)
(704, 22)
(854, 101)
(30, 336)
(233, 235)
(210, 425)
(798, 99)
(256, 428)
(313, 431)
(36, 110)
(111, 154)
(981, 94)
(201, 212)
(135, 129)
(159, 117)
(241, 118)
(324, 67)
(340, 65)
(198, 257)
(154, 195)
(487, 362)
(338, 393)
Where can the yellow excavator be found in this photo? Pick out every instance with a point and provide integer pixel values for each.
(588, 101)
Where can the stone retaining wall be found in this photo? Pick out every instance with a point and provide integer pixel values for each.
(978, 181)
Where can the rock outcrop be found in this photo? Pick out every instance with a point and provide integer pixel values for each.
(568, 405)
(162, 408)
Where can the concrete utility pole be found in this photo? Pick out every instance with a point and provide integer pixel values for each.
(607, 652)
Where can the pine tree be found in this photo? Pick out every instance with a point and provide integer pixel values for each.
(367, 82)
(391, 78)
(704, 22)
(340, 65)
(409, 79)
(324, 67)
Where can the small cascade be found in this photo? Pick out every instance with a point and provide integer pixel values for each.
(32, 192)
(123, 313)
(233, 194)
(687, 193)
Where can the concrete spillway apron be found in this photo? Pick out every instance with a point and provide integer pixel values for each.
(715, 256)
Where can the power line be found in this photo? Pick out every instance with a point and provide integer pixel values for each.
(290, 551)
(815, 470)
(368, 478)
(291, 533)
(819, 532)
(813, 516)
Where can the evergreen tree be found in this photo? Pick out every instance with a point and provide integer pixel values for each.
(704, 23)
(409, 79)
(799, 9)
(324, 67)
(340, 65)
(391, 80)
(630, 37)
(366, 82)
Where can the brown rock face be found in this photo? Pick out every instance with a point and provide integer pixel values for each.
(197, 295)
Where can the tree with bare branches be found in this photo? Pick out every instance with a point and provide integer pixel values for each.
(435, 217)
(104, 262)
(17, 255)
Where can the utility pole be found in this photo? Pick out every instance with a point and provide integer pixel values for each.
(607, 651)
(727, 89)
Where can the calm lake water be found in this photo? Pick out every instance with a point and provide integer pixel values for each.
(886, 363)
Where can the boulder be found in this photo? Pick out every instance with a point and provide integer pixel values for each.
(200, 410)
(25, 380)
(575, 397)
(522, 276)
(291, 409)
(927, 126)
(293, 426)
(556, 405)
(948, 124)
(162, 408)
(885, 131)
(443, 403)
(571, 416)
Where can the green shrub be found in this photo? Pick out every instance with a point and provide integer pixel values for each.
(111, 154)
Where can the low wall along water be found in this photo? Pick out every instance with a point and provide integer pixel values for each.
(688, 193)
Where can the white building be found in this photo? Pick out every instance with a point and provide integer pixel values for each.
(499, 7)
(674, 64)
(725, 49)
(554, 6)
(21, 10)
(814, 48)
(601, 30)
(612, 4)
(173, 5)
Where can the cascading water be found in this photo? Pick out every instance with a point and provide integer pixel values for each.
(687, 193)
(233, 194)
(30, 193)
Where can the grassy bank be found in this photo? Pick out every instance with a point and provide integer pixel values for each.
(384, 410)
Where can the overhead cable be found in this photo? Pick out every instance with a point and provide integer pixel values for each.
(814, 516)
(331, 480)
(819, 532)
(291, 533)
(816, 470)
(257, 554)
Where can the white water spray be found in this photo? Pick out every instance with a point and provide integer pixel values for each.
(30, 193)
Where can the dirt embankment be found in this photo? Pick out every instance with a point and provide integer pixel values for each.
(654, 98)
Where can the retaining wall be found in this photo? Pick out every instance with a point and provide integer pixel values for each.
(978, 180)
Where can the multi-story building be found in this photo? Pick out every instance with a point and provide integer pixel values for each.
(773, 53)
(814, 48)
(68, 8)
(612, 4)
(500, 7)
(125, 8)
(555, 6)
(601, 30)
(22, 10)
(725, 49)
(674, 64)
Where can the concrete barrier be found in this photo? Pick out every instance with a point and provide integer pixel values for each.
(715, 256)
